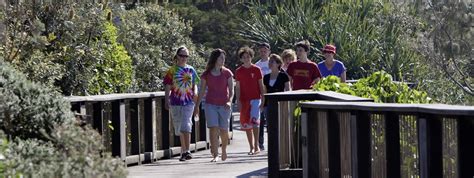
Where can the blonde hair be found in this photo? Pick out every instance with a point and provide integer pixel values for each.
(288, 53)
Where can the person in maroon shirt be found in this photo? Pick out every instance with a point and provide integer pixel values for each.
(303, 73)
(218, 82)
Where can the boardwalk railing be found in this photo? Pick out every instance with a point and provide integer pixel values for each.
(365, 139)
(284, 133)
(136, 127)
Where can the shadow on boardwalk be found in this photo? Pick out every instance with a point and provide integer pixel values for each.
(238, 163)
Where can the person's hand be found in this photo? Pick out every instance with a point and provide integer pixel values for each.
(228, 105)
(196, 110)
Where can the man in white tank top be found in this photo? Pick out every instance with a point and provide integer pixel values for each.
(264, 52)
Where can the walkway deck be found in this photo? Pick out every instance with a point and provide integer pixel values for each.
(238, 163)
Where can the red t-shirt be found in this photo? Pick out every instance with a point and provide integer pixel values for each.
(248, 79)
(217, 87)
(303, 74)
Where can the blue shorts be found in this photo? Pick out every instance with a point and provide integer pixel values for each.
(217, 116)
(181, 116)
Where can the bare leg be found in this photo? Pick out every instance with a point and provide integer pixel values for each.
(214, 143)
(225, 140)
(183, 145)
(186, 139)
(255, 134)
(250, 139)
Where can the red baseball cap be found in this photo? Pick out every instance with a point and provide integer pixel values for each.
(329, 49)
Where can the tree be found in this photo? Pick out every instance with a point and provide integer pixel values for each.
(447, 42)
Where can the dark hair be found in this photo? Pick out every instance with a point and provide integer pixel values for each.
(244, 50)
(264, 44)
(303, 44)
(277, 59)
(175, 58)
(211, 63)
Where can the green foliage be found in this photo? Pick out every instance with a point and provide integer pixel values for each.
(25, 46)
(113, 73)
(45, 139)
(74, 152)
(151, 35)
(75, 48)
(215, 26)
(378, 86)
(368, 35)
(29, 110)
(333, 83)
(446, 44)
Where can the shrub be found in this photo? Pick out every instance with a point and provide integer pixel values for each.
(113, 72)
(151, 35)
(29, 110)
(45, 140)
(378, 86)
(369, 37)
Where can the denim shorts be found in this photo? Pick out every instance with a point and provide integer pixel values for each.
(217, 116)
(181, 116)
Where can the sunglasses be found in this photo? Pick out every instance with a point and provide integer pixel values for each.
(183, 55)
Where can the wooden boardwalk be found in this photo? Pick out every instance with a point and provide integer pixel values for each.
(238, 163)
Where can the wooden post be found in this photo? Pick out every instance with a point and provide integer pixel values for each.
(465, 146)
(430, 147)
(118, 134)
(150, 141)
(334, 145)
(392, 144)
(273, 140)
(361, 131)
(135, 128)
(97, 117)
(165, 128)
(309, 130)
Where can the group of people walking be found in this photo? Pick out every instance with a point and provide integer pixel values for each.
(271, 73)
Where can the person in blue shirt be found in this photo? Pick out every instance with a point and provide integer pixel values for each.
(331, 66)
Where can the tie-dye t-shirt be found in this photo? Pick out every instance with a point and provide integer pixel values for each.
(182, 81)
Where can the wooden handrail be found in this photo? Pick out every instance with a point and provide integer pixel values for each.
(438, 109)
(118, 96)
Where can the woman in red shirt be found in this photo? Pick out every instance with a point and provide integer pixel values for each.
(218, 82)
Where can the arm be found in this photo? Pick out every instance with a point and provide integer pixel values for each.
(316, 74)
(262, 92)
(343, 77)
(287, 86)
(230, 87)
(167, 96)
(291, 81)
(202, 91)
(316, 80)
(237, 94)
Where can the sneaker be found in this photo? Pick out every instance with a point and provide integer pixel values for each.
(188, 155)
(261, 147)
(183, 157)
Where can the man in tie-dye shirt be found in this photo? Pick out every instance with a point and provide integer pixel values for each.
(180, 85)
